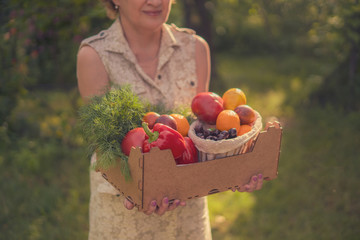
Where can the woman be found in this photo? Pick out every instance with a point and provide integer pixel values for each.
(163, 64)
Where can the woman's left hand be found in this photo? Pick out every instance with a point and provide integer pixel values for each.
(159, 209)
(255, 183)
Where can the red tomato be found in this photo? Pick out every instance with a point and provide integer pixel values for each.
(207, 106)
(134, 138)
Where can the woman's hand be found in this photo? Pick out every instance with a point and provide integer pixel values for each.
(255, 183)
(158, 209)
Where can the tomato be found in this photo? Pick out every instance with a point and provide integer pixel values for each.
(134, 138)
(207, 106)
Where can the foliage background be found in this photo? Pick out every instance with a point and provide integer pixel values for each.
(296, 60)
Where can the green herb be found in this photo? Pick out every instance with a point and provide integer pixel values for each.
(105, 122)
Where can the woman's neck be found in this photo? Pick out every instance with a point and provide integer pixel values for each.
(144, 43)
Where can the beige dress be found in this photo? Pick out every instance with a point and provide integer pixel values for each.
(175, 84)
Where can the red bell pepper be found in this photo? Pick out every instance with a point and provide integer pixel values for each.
(190, 154)
(163, 137)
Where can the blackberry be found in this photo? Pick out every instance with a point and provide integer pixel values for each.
(232, 133)
(200, 135)
(198, 129)
(212, 138)
(206, 132)
(225, 134)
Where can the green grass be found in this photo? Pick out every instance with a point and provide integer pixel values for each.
(272, 84)
(315, 195)
(44, 173)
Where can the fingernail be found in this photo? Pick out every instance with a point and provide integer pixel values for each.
(260, 176)
(166, 200)
(255, 179)
(153, 203)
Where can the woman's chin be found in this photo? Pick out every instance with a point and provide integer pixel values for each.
(153, 25)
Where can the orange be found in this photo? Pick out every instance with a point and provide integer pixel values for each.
(244, 129)
(183, 125)
(233, 98)
(226, 120)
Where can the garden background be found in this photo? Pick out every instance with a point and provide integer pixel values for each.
(297, 61)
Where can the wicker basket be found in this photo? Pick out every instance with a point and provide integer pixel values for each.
(210, 150)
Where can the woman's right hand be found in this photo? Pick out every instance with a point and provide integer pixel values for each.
(157, 209)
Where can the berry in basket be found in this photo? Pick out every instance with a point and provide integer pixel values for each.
(214, 134)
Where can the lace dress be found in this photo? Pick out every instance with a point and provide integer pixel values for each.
(175, 84)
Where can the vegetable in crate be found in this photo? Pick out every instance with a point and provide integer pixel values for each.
(182, 123)
(167, 120)
(207, 106)
(134, 138)
(106, 120)
(246, 114)
(150, 118)
(190, 154)
(163, 137)
(233, 97)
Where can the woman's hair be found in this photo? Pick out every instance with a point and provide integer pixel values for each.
(110, 8)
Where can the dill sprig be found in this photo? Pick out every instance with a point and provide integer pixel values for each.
(105, 120)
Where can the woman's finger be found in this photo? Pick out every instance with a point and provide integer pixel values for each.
(253, 183)
(128, 205)
(174, 205)
(163, 206)
(260, 182)
(151, 208)
(244, 188)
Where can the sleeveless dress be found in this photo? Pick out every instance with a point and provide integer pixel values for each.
(175, 84)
